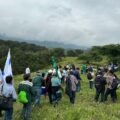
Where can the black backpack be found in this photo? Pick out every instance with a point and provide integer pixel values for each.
(89, 76)
(114, 84)
(100, 81)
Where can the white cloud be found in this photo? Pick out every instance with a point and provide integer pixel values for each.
(84, 22)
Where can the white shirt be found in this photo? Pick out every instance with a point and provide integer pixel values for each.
(8, 89)
(65, 73)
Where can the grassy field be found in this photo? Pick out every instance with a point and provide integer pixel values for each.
(84, 109)
(78, 62)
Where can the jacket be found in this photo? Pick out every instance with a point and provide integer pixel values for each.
(37, 81)
(28, 88)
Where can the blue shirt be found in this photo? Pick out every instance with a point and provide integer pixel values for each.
(55, 81)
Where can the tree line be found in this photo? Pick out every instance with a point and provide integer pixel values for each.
(36, 57)
(98, 53)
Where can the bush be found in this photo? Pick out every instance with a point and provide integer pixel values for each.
(90, 57)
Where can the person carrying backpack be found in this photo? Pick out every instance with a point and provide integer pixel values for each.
(8, 91)
(56, 86)
(48, 85)
(25, 93)
(115, 85)
(76, 73)
(90, 77)
(1, 83)
(100, 83)
(110, 89)
(79, 79)
(71, 85)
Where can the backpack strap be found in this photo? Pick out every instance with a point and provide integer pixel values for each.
(9, 96)
(2, 89)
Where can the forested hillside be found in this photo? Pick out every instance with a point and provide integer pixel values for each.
(24, 55)
(37, 57)
(30, 55)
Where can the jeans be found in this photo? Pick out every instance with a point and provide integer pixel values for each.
(98, 92)
(50, 97)
(111, 92)
(56, 96)
(91, 84)
(37, 97)
(115, 94)
(26, 112)
(8, 114)
(79, 86)
(71, 95)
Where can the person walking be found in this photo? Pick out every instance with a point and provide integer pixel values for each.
(48, 85)
(27, 87)
(37, 84)
(100, 83)
(56, 86)
(1, 83)
(71, 85)
(8, 91)
(90, 77)
(110, 78)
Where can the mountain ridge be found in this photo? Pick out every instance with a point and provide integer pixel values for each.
(46, 43)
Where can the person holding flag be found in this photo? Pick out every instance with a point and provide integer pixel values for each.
(56, 67)
(8, 67)
(53, 62)
(1, 81)
(8, 89)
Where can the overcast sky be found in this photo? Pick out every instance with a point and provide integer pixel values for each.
(82, 22)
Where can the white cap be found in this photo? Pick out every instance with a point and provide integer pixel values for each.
(50, 71)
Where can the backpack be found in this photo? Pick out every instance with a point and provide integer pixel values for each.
(6, 103)
(114, 84)
(22, 97)
(89, 76)
(100, 82)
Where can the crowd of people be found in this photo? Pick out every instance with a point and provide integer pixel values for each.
(105, 81)
(53, 83)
